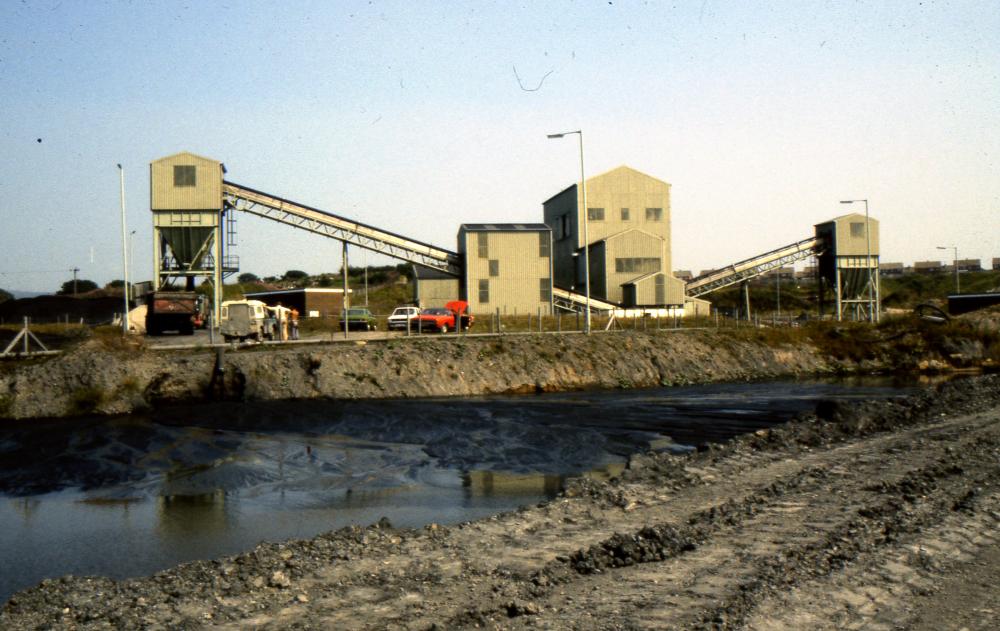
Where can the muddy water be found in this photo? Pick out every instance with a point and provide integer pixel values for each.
(134, 495)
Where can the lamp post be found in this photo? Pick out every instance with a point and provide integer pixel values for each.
(121, 177)
(868, 257)
(586, 234)
(954, 263)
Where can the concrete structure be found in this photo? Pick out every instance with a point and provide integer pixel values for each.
(683, 274)
(310, 302)
(629, 230)
(849, 265)
(508, 267)
(434, 288)
(928, 267)
(188, 221)
(996, 264)
(969, 265)
(891, 269)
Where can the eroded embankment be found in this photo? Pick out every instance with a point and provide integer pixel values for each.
(109, 379)
(92, 380)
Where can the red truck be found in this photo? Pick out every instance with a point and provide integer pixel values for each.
(180, 311)
(443, 319)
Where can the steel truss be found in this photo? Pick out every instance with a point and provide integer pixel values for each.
(570, 301)
(316, 221)
(752, 267)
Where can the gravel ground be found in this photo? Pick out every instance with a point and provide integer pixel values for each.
(872, 515)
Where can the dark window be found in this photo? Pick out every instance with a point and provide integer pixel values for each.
(595, 214)
(545, 289)
(484, 290)
(544, 247)
(494, 267)
(654, 214)
(484, 248)
(564, 229)
(184, 175)
(624, 214)
(661, 289)
(637, 265)
(857, 229)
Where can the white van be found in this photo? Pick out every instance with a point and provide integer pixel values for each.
(244, 320)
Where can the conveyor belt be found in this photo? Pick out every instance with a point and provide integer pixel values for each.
(752, 267)
(248, 200)
(571, 301)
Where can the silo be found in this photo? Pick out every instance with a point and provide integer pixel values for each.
(188, 214)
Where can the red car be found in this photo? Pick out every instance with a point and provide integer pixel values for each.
(443, 318)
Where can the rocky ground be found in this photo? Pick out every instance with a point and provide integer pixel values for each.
(106, 375)
(878, 515)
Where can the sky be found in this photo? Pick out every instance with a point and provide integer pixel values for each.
(419, 116)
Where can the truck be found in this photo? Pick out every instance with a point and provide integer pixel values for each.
(443, 319)
(179, 311)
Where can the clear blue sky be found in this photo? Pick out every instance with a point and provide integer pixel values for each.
(409, 116)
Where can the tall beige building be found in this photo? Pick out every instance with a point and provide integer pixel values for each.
(628, 234)
(507, 267)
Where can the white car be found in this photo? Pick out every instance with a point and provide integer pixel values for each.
(401, 315)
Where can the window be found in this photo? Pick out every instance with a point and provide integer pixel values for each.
(494, 267)
(654, 214)
(637, 265)
(184, 175)
(595, 214)
(544, 246)
(661, 290)
(484, 290)
(484, 246)
(624, 214)
(545, 289)
(857, 229)
(564, 226)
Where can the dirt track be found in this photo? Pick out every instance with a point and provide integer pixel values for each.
(883, 515)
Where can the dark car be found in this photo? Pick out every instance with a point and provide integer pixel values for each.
(358, 318)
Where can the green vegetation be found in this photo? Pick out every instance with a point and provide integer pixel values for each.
(79, 286)
(5, 296)
(86, 400)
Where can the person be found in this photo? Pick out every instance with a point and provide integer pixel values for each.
(293, 320)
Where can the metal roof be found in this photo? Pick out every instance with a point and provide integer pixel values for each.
(504, 227)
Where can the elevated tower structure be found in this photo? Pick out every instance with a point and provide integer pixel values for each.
(188, 222)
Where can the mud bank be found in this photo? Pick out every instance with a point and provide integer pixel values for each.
(117, 379)
(866, 515)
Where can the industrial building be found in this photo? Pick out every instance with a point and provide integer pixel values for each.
(627, 239)
(509, 268)
(310, 302)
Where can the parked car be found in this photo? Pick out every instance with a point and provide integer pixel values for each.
(401, 315)
(358, 318)
(443, 318)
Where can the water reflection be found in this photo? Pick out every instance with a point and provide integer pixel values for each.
(132, 495)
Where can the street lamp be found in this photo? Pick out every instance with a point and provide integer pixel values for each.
(868, 257)
(121, 177)
(954, 262)
(586, 234)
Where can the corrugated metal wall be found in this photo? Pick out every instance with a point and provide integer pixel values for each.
(513, 268)
(180, 191)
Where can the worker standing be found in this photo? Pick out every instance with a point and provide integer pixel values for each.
(293, 316)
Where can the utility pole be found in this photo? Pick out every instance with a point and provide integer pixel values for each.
(121, 173)
(74, 270)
